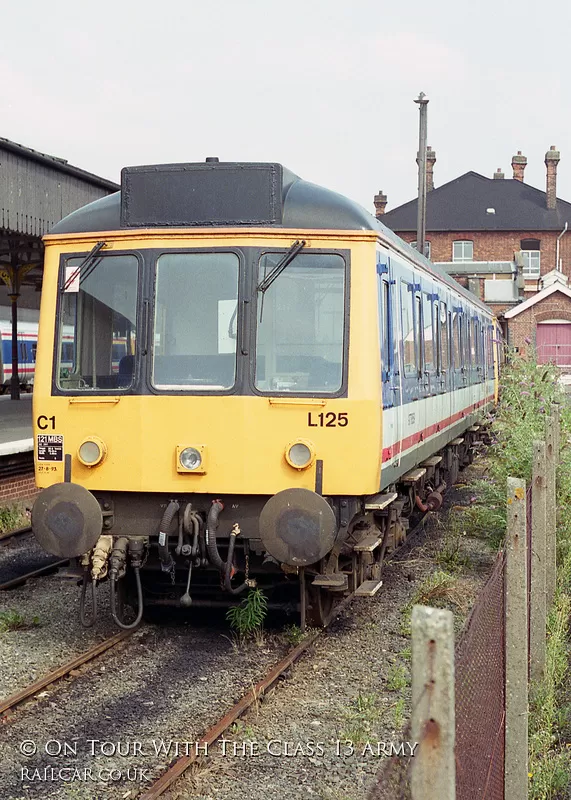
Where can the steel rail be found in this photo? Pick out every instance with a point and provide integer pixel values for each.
(45, 570)
(13, 534)
(18, 697)
(259, 690)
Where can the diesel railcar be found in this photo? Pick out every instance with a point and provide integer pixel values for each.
(294, 382)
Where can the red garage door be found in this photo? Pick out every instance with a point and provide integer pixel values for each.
(554, 343)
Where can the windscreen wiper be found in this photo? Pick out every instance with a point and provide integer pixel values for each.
(296, 247)
(89, 261)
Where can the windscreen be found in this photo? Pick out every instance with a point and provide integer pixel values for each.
(98, 324)
(301, 324)
(195, 326)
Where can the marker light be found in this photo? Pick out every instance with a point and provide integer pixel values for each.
(300, 454)
(91, 452)
(190, 458)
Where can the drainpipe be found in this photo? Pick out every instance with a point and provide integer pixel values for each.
(561, 235)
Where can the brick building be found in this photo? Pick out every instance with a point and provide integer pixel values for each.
(506, 241)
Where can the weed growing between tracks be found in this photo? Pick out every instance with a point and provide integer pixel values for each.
(14, 621)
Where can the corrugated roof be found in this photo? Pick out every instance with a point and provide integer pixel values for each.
(59, 164)
(461, 204)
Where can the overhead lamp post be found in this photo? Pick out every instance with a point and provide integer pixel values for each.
(422, 101)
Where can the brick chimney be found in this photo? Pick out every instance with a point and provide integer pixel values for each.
(519, 164)
(551, 162)
(430, 162)
(499, 175)
(380, 204)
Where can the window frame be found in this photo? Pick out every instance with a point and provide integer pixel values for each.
(463, 258)
(254, 306)
(140, 320)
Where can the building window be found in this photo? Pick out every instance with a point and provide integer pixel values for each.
(530, 255)
(426, 248)
(531, 266)
(462, 251)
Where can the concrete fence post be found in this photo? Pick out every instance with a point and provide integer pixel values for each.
(516, 735)
(551, 537)
(433, 773)
(538, 600)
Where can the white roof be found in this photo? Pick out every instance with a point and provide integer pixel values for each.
(537, 298)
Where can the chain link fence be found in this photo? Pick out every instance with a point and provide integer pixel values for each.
(479, 702)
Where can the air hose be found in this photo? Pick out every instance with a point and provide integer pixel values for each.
(84, 621)
(228, 571)
(114, 614)
(211, 528)
(167, 562)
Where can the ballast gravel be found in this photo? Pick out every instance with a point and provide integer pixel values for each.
(324, 731)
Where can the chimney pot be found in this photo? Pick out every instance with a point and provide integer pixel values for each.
(552, 158)
(380, 204)
(430, 162)
(519, 164)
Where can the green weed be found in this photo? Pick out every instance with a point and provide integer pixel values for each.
(12, 517)
(14, 621)
(398, 678)
(247, 618)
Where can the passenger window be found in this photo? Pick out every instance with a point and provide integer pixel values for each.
(409, 349)
(384, 327)
(444, 344)
(429, 337)
(457, 340)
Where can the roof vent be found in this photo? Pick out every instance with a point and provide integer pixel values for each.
(490, 211)
(212, 160)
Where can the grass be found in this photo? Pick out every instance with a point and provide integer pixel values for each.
(440, 590)
(364, 713)
(398, 678)
(13, 517)
(14, 621)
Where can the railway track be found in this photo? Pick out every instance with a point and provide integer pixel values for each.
(7, 535)
(16, 699)
(179, 767)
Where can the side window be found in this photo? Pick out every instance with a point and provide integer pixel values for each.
(474, 342)
(34, 350)
(429, 337)
(409, 349)
(466, 337)
(418, 334)
(444, 344)
(385, 327)
(457, 334)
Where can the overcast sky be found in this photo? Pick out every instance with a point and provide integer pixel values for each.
(325, 87)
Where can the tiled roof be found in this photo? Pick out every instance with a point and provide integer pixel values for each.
(461, 205)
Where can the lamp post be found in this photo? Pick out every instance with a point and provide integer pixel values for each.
(421, 217)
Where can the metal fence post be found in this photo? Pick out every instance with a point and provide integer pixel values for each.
(516, 735)
(433, 773)
(538, 600)
(551, 538)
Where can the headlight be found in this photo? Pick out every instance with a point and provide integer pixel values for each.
(300, 454)
(190, 458)
(91, 452)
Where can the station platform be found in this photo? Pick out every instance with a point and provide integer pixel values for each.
(16, 425)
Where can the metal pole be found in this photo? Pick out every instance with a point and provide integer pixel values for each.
(421, 217)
